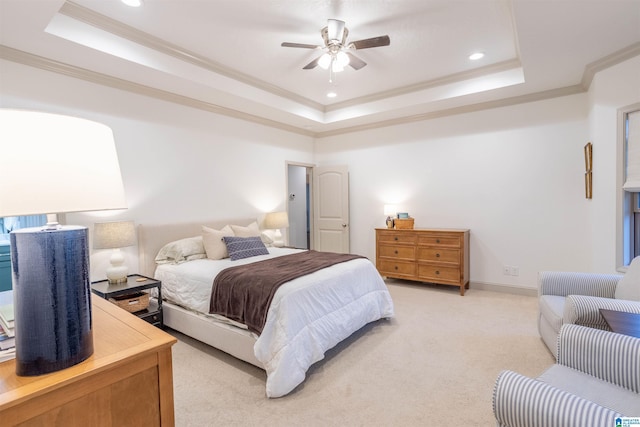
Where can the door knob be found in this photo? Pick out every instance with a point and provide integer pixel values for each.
(344, 225)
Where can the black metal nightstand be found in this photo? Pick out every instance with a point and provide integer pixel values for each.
(135, 283)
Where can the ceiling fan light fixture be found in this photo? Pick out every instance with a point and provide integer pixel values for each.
(325, 61)
(342, 59)
(132, 3)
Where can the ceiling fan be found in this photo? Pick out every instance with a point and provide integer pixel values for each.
(337, 53)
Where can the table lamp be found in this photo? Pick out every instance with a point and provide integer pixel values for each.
(115, 235)
(390, 210)
(276, 221)
(57, 164)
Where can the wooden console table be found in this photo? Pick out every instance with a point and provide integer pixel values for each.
(128, 381)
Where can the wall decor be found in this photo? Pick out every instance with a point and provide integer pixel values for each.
(588, 163)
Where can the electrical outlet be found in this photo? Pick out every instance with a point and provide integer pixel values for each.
(515, 271)
(506, 270)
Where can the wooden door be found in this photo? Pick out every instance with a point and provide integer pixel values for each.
(331, 208)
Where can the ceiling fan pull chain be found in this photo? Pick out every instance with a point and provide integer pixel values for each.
(331, 72)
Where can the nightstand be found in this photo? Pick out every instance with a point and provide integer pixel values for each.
(135, 283)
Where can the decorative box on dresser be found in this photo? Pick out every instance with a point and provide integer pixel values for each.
(128, 381)
(425, 255)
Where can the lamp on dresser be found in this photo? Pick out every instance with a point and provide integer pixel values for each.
(390, 210)
(115, 235)
(276, 221)
(58, 164)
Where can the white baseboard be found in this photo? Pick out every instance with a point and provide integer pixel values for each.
(483, 286)
(499, 287)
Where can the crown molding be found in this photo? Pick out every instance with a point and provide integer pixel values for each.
(590, 70)
(89, 17)
(46, 64)
(453, 78)
(522, 99)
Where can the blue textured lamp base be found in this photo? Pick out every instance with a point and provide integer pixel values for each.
(52, 298)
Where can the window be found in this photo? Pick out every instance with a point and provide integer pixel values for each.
(631, 186)
(11, 223)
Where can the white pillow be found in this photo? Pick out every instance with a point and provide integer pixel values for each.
(214, 246)
(629, 286)
(267, 237)
(181, 250)
(252, 230)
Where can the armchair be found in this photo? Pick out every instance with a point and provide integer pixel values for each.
(595, 379)
(576, 298)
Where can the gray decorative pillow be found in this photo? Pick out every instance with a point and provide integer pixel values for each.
(628, 287)
(244, 247)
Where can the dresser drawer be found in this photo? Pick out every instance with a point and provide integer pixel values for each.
(397, 252)
(397, 237)
(437, 274)
(449, 256)
(397, 268)
(439, 240)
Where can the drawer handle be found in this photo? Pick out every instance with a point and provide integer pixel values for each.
(437, 272)
(437, 240)
(437, 255)
(396, 252)
(395, 238)
(396, 267)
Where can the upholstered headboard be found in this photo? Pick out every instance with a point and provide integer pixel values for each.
(152, 237)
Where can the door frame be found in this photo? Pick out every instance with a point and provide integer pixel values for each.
(309, 167)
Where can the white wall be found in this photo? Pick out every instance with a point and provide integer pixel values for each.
(177, 163)
(611, 89)
(514, 176)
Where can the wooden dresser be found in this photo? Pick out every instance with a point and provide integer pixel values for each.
(424, 255)
(128, 381)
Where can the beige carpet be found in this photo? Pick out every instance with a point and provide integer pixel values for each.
(434, 364)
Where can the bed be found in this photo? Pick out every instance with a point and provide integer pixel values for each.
(308, 315)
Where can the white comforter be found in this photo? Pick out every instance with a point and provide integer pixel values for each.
(307, 317)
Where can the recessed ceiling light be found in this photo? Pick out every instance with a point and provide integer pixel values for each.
(476, 56)
(331, 95)
(132, 3)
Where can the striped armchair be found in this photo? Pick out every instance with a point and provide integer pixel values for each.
(576, 298)
(596, 378)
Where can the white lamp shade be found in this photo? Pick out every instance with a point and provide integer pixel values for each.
(276, 220)
(58, 164)
(112, 235)
(390, 210)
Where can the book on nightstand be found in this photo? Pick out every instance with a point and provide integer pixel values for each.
(7, 354)
(7, 316)
(7, 320)
(7, 334)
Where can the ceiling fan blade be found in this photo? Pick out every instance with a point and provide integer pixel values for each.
(372, 42)
(313, 64)
(355, 62)
(335, 29)
(302, 45)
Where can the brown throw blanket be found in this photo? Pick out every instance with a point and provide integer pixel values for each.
(244, 293)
